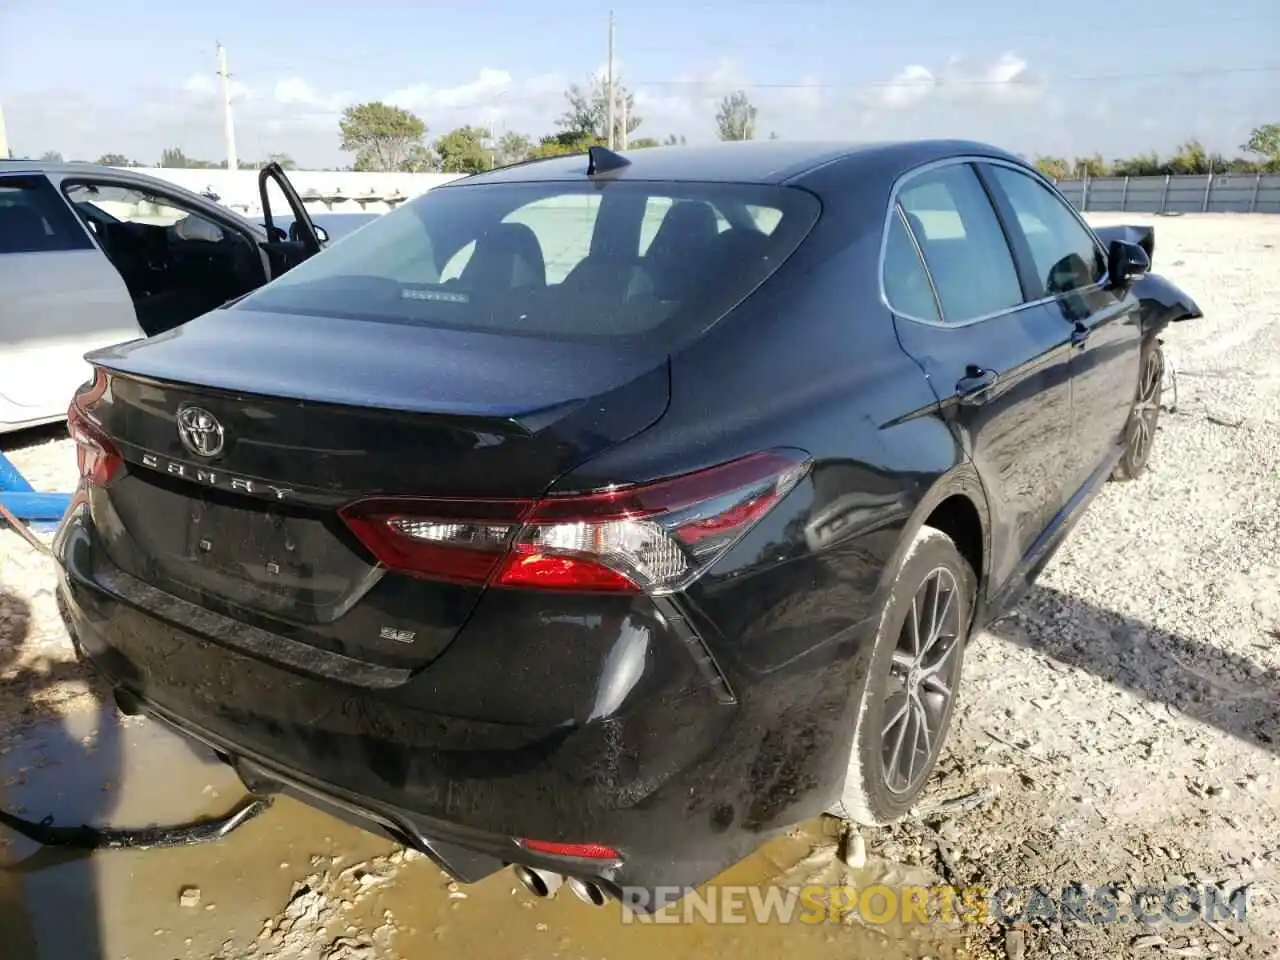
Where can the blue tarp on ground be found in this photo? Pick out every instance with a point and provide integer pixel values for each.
(25, 503)
(10, 478)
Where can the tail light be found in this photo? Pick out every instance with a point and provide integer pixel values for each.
(655, 537)
(97, 457)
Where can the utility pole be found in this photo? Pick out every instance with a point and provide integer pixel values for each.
(229, 126)
(610, 83)
(4, 139)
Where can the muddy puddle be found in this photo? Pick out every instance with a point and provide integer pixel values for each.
(296, 883)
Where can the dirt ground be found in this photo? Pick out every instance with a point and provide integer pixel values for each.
(1121, 728)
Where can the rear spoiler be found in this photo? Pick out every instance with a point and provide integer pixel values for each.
(1144, 236)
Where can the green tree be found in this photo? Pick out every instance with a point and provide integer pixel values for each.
(1142, 165)
(512, 148)
(115, 160)
(1265, 141)
(1245, 165)
(736, 118)
(384, 138)
(1090, 167)
(464, 151)
(52, 156)
(1055, 168)
(1191, 158)
(588, 112)
(674, 141)
(560, 144)
(173, 157)
(283, 159)
(642, 143)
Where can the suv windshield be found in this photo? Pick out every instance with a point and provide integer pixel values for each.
(581, 261)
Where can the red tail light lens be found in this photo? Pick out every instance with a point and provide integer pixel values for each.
(459, 541)
(656, 537)
(587, 851)
(96, 456)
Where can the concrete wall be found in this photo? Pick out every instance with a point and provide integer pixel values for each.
(1219, 193)
(323, 191)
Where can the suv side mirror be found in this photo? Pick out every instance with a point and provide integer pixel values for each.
(1126, 262)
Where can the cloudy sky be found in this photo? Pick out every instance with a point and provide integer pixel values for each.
(135, 77)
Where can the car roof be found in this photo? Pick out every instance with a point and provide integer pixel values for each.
(47, 167)
(747, 161)
(124, 175)
(74, 170)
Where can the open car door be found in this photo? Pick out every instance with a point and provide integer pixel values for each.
(303, 239)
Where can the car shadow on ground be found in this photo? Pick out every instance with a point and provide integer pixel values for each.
(48, 899)
(1216, 687)
(33, 436)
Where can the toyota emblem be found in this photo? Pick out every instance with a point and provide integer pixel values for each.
(200, 431)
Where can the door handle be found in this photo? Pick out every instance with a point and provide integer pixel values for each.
(1079, 337)
(975, 386)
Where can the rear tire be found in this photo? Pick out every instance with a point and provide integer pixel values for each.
(1140, 431)
(910, 691)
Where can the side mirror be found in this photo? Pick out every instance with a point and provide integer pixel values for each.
(1126, 262)
(295, 234)
(278, 235)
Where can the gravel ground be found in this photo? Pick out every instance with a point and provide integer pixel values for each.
(1121, 727)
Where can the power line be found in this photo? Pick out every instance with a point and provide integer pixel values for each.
(871, 40)
(972, 81)
(717, 89)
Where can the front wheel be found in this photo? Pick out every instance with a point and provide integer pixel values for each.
(1140, 433)
(910, 689)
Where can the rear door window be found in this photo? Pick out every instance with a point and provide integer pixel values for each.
(953, 221)
(906, 284)
(558, 260)
(34, 218)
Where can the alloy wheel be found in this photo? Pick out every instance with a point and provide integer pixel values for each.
(923, 677)
(1147, 409)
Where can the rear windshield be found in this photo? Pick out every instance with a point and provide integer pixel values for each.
(580, 261)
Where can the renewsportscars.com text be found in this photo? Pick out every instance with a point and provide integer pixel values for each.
(900, 905)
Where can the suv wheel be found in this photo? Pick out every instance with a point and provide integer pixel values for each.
(1140, 433)
(910, 690)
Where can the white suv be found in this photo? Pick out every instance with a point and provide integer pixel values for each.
(91, 256)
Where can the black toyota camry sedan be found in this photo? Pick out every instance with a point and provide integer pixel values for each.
(603, 515)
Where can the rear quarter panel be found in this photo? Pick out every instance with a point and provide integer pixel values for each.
(810, 361)
(54, 308)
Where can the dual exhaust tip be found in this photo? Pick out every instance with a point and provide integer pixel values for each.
(544, 883)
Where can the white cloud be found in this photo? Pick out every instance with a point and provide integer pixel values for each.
(909, 86)
(300, 96)
(688, 104)
(489, 86)
(805, 98)
(1001, 99)
(1007, 79)
(294, 90)
(205, 86)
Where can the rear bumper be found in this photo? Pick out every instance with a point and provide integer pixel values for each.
(675, 784)
(467, 855)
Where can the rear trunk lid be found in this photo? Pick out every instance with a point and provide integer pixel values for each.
(314, 413)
